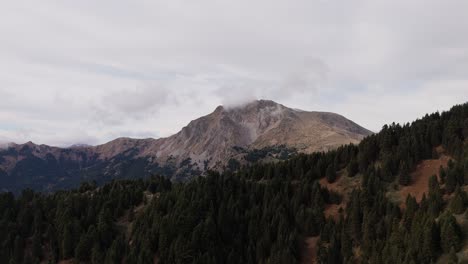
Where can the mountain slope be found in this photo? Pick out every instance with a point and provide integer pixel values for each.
(209, 142)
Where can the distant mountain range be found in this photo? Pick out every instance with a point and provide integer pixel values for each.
(225, 139)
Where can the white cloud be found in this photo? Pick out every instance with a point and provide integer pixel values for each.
(88, 71)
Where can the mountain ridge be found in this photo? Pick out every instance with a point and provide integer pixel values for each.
(208, 142)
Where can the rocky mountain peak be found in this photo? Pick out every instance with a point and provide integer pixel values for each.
(209, 142)
(260, 124)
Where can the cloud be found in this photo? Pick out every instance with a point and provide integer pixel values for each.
(116, 68)
(132, 103)
(4, 144)
(301, 79)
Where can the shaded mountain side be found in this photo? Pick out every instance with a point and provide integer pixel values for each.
(227, 138)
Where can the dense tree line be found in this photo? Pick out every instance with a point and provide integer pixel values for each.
(260, 213)
(77, 224)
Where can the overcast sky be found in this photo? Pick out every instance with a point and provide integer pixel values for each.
(90, 71)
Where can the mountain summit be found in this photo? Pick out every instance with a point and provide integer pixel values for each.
(258, 125)
(227, 135)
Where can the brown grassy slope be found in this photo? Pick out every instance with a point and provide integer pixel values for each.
(420, 179)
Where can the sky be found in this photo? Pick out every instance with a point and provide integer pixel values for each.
(90, 71)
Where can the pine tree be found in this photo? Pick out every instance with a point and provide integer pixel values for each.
(450, 235)
(465, 170)
(442, 174)
(457, 204)
(352, 168)
(355, 220)
(18, 249)
(83, 248)
(67, 243)
(346, 246)
(405, 177)
(36, 246)
(429, 245)
(435, 201)
(331, 173)
(116, 251)
(451, 182)
(411, 208)
(97, 254)
(334, 253)
(105, 227)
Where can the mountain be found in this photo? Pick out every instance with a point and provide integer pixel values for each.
(399, 196)
(228, 137)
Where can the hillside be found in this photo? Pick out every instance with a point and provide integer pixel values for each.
(268, 213)
(228, 137)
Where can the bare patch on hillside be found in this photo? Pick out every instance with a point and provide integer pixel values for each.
(420, 178)
(343, 185)
(333, 210)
